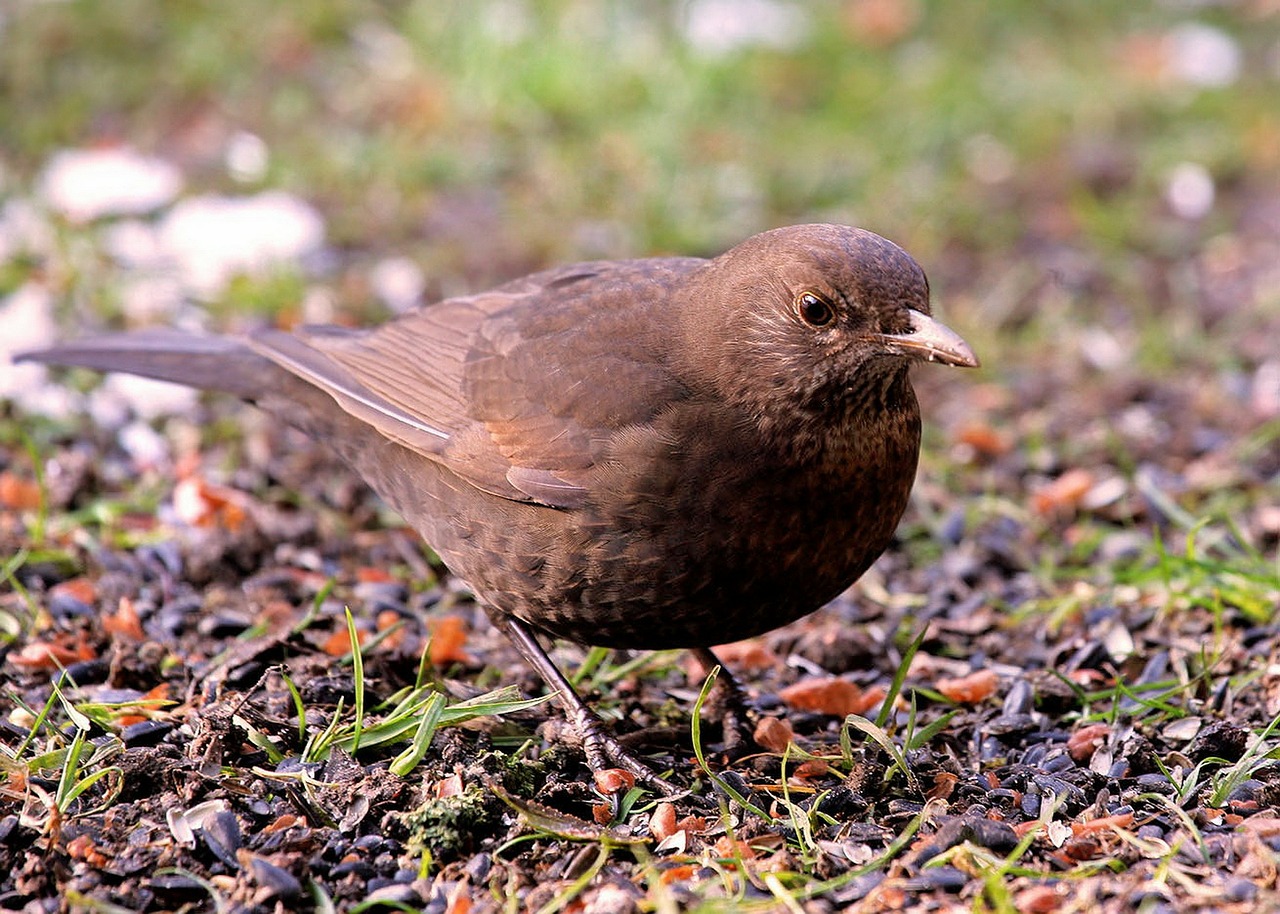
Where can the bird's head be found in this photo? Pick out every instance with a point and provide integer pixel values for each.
(814, 320)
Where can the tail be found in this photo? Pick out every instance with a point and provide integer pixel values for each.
(207, 362)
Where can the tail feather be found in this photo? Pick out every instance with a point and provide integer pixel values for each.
(207, 362)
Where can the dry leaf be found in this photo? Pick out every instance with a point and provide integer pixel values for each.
(986, 442)
(448, 638)
(748, 656)
(46, 655)
(773, 734)
(124, 621)
(1064, 494)
(832, 695)
(1039, 899)
(614, 780)
(1085, 741)
(202, 504)
(18, 494)
(971, 689)
(339, 643)
(81, 589)
(1105, 823)
(662, 824)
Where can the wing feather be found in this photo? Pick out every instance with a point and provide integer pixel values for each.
(520, 390)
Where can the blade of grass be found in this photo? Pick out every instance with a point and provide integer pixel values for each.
(407, 760)
(357, 675)
(899, 677)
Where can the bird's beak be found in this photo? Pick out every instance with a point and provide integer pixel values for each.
(929, 340)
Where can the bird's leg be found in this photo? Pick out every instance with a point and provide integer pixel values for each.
(602, 750)
(728, 701)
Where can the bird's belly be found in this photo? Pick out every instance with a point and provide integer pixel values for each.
(727, 559)
(702, 573)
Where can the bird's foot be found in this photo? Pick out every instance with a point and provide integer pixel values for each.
(728, 705)
(604, 752)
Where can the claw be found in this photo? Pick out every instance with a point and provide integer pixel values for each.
(603, 751)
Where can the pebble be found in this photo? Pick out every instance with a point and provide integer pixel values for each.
(1220, 739)
(1002, 798)
(1019, 700)
(397, 893)
(946, 878)
(145, 733)
(841, 803)
(89, 672)
(1156, 783)
(1240, 889)
(175, 616)
(1057, 764)
(997, 836)
(164, 557)
(381, 594)
(1246, 790)
(224, 625)
(63, 606)
(352, 868)
(857, 889)
(478, 868)
(279, 883)
(1034, 756)
(1150, 832)
(221, 834)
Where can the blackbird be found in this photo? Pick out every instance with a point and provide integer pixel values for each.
(663, 453)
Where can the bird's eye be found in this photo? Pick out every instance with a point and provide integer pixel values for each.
(814, 310)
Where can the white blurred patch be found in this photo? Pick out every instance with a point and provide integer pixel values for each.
(24, 229)
(722, 26)
(318, 306)
(151, 298)
(988, 160)
(212, 239)
(88, 184)
(384, 50)
(146, 447)
(123, 397)
(1104, 350)
(26, 322)
(247, 157)
(507, 21)
(1190, 190)
(134, 243)
(398, 282)
(1265, 396)
(1201, 55)
(150, 289)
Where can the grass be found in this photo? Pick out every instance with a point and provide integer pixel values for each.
(569, 113)
(486, 139)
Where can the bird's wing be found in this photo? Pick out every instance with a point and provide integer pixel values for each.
(518, 390)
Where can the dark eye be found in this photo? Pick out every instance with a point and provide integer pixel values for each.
(814, 310)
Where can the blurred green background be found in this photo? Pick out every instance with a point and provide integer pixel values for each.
(1027, 153)
(1092, 187)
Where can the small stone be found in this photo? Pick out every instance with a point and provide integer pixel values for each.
(1240, 889)
(278, 882)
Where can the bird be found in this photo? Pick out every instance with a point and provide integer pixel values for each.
(669, 452)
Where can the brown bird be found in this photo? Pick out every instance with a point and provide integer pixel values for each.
(673, 452)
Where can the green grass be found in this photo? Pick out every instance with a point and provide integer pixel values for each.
(1020, 151)
(603, 113)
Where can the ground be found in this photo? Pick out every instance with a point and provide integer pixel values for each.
(1057, 690)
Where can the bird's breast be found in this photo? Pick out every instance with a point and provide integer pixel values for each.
(699, 532)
